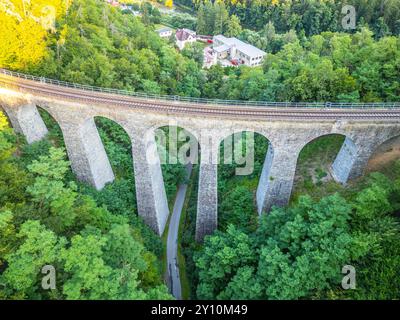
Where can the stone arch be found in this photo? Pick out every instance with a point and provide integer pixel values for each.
(178, 150)
(325, 157)
(91, 163)
(151, 197)
(228, 132)
(110, 129)
(86, 151)
(25, 119)
(84, 147)
(3, 110)
(117, 142)
(232, 134)
(52, 113)
(177, 140)
(50, 121)
(248, 155)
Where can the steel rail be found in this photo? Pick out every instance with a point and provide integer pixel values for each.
(333, 112)
(200, 100)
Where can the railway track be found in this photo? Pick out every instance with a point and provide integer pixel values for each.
(47, 90)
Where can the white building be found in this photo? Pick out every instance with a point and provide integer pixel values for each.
(184, 36)
(164, 32)
(236, 52)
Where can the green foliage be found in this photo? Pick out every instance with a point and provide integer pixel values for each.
(311, 58)
(7, 235)
(194, 51)
(99, 45)
(309, 16)
(118, 147)
(102, 250)
(6, 147)
(13, 180)
(180, 20)
(312, 233)
(298, 252)
(97, 254)
(237, 193)
(234, 28)
(326, 67)
(24, 27)
(106, 267)
(38, 247)
(238, 209)
(222, 255)
(49, 189)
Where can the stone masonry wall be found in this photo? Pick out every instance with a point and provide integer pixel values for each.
(287, 138)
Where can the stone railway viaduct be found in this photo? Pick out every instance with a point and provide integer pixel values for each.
(288, 130)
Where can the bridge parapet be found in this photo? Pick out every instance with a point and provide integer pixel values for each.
(287, 137)
(8, 77)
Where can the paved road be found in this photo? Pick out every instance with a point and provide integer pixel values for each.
(174, 281)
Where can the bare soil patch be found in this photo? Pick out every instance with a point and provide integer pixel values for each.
(384, 155)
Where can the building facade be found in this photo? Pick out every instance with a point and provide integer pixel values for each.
(164, 32)
(184, 36)
(232, 51)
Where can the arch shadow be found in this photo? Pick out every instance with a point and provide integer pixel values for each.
(55, 133)
(177, 148)
(244, 158)
(317, 163)
(384, 156)
(118, 196)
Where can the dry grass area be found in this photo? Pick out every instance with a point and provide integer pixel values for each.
(313, 175)
(384, 155)
(313, 167)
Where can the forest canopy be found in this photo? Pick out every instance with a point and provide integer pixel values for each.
(94, 43)
(95, 239)
(308, 16)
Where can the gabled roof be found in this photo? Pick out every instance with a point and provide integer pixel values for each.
(184, 34)
(241, 46)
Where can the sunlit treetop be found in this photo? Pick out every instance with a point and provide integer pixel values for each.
(23, 29)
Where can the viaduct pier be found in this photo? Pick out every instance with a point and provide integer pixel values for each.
(287, 126)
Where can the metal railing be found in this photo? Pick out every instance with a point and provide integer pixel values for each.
(250, 103)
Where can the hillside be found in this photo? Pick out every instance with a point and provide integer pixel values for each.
(100, 247)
